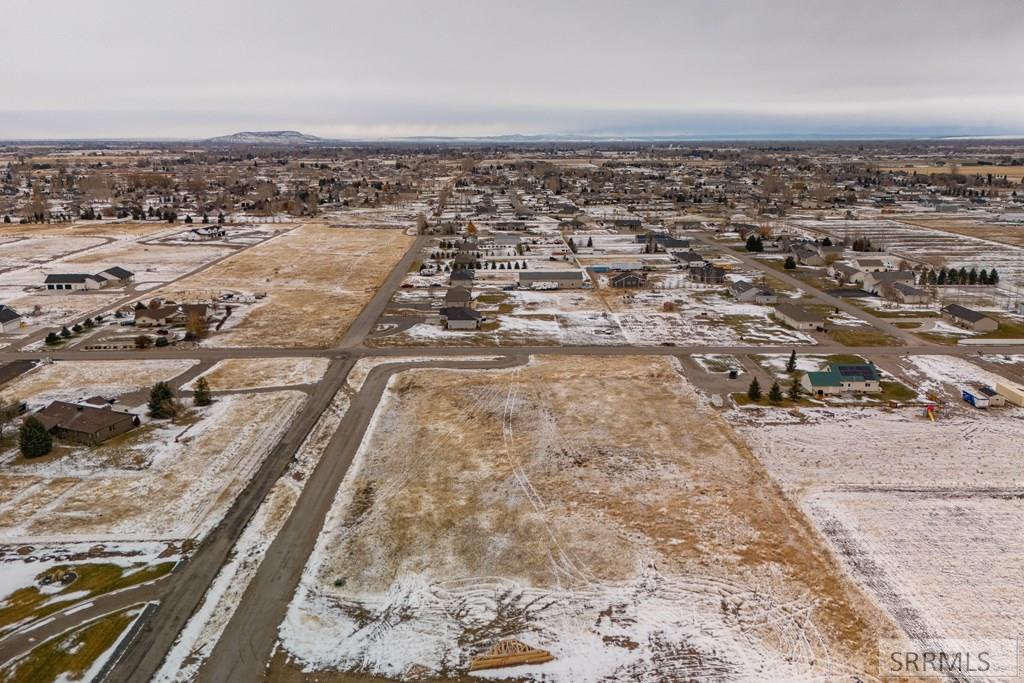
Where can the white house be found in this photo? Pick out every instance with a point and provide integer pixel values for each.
(73, 281)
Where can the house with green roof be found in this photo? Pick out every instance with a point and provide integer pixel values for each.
(843, 378)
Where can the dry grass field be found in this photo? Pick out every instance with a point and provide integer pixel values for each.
(596, 509)
(92, 229)
(316, 279)
(257, 373)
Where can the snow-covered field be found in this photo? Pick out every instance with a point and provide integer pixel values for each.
(923, 552)
(706, 318)
(123, 489)
(947, 374)
(74, 380)
(577, 507)
(924, 515)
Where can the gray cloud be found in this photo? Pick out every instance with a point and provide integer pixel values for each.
(348, 69)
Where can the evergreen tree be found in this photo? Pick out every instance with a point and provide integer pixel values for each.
(972, 277)
(983, 277)
(33, 439)
(791, 364)
(52, 339)
(775, 393)
(993, 277)
(65, 332)
(790, 263)
(751, 243)
(754, 391)
(827, 242)
(201, 394)
(794, 387)
(160, 396)
(590, 241)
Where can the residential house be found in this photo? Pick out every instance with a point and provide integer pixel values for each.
(84, 423)
(688, 258)
(807, 255)
(460, 318)
(156, 316)
(72, 281)
(461, 275)
(907, 294)
(116, 276)
(871, 265)
(798, 317)
(707, 274)
(969, 319)
(881, 282)
(207, 232)
(561, 279)
(77, 281)
(847, 274)
(750, 293)
(10, 319)
(629, 280)
(458, 297)
(843, 378)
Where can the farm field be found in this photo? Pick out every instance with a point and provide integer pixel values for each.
(1007, 234)
(517, 504)
(932, 246)
(915, 510)
(316, 280)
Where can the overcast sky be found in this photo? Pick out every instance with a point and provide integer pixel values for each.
(378, 68)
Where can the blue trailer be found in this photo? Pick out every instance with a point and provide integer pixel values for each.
(975, 398)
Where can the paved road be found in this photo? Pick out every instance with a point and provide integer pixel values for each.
(22, 641)
(211, 354)
(242, 652)
(144, 657)
(817, 294)
(367, 318)
(246, 645)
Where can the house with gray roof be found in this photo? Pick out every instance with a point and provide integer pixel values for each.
(798, 317)
(562, 279)
(10, 319)
(969, 319)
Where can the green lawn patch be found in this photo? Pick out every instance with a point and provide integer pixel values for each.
(862, 335)
(69, 656)
(895, 391)
(96, 579)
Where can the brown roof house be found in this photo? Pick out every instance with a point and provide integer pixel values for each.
(85, 423)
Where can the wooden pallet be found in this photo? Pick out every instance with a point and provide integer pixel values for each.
(509, 653)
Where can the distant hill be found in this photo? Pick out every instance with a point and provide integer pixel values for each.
(267, 137)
